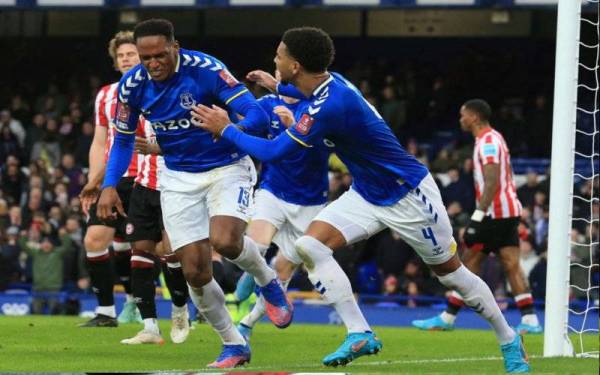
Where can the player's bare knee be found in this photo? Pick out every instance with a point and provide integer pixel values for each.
(227, 244)
(94, 243)
(196, 278)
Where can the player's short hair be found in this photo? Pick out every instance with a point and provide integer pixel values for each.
(120, 38)
(153, 27)
(311, 46)
(481, 107)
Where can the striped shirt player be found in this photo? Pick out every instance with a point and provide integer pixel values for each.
(105, 114)
(490, 148)
(494, 224)
(144, 214)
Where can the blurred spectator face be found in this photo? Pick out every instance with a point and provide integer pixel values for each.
(68, 161)
(389, 93)
(411, 269)
(55, 213)
(39, 120)
(12, 160)
(87, 128)
(390, 285)
(3, 207)
(532, 179)
(453, 174)
(72, 225)
(539, 198)
(5, 117)
(14, 213)
(52, 125)
(46, 244)
(35, 199)
(62, 196)
(66, 125)
(35, 182)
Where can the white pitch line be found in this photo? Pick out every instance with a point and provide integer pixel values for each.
(377, 363)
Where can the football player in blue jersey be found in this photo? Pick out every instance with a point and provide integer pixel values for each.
(206, 194)
(390, 189)
(292, 192)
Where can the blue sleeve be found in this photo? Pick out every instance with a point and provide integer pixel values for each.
(290, 90)
(255, 118)
(262, 149)
(119, 159)
(237, 97)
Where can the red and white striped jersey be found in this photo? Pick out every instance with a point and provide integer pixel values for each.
(106, 110)
(151, 164)
(490, 147)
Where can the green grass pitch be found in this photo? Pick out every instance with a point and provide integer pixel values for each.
(56, 344)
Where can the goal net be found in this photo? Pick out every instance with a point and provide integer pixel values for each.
(573, 248)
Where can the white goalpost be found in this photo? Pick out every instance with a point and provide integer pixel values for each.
(564, 174)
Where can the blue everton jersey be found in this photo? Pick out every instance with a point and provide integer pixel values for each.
(302, 177)
(198, 79)
(383, 172)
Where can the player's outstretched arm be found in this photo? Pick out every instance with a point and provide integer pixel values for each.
(216, 121)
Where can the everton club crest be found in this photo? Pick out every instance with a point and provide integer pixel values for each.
(187, 100)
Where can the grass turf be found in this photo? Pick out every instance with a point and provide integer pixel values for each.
(56, 344)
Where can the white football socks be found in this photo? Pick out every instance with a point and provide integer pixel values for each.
(330, 280)
(251, 261)
(210, 302)
(479, 297)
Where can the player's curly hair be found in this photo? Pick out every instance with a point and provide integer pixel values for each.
(311, 46)
(481, 107)
(155, 26)
(120, 38)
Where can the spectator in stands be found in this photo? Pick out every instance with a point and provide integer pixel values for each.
(9, 144)
(458, 190)
(76, 178)
(48, 148)
(442, 162)
(47, 255)
(35, 132)
(4, 218)
(35, 207)
(10, 270)
(20, 109)
(528, 258)
(14, 125)
(15, 217)
(526, 193)
(84, 142)
(392, 109)
(13, 180)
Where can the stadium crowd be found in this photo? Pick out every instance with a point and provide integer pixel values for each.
(46, 136)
